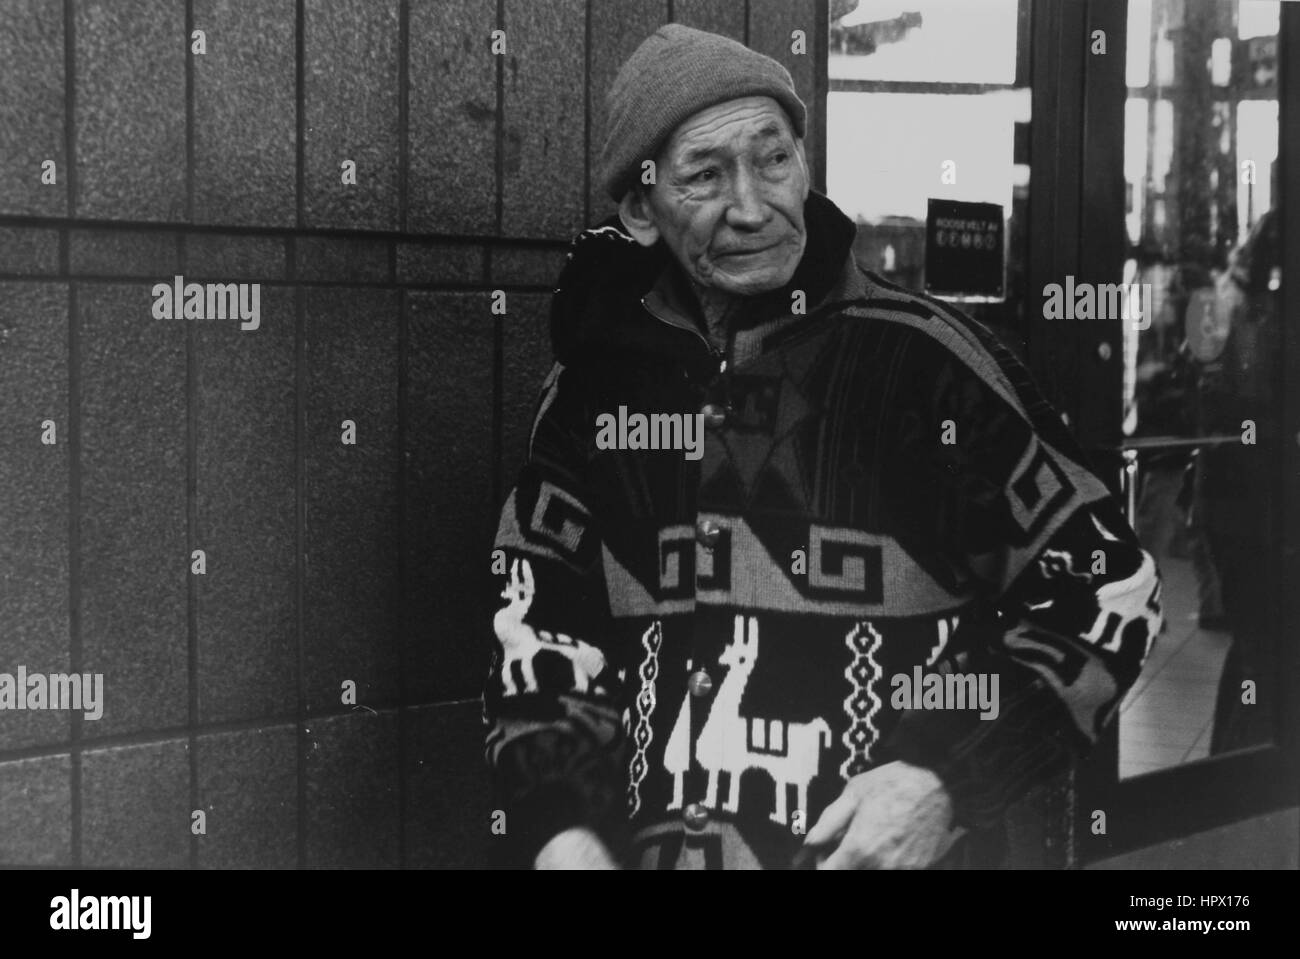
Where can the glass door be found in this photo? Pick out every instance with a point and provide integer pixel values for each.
(1142, 145)
(1202, 405)
(1205, 735)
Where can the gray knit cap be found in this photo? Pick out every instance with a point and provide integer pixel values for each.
(676, 72)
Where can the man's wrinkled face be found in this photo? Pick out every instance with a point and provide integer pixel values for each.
(728, 199)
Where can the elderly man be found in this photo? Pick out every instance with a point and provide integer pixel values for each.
(888, 595)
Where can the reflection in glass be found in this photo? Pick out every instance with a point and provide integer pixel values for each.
(911, 96)
(1138, 57)
(886, 150)
(924, 41)
(1202, 407)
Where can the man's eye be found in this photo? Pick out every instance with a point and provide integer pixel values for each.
(778, 158)
(703, 176)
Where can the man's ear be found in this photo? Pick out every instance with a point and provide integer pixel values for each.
(634, 212)
(803, 161)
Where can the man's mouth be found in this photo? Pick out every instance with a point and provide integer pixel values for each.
(747, 250)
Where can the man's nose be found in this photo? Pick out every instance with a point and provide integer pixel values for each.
(748, 208)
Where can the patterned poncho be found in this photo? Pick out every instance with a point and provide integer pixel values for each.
(692, 656)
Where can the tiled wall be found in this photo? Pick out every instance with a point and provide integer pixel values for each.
(325, 562)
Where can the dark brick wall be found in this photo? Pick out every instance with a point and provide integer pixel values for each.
(326, 563)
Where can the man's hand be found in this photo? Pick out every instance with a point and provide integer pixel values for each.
(896, 816)
(575, 849)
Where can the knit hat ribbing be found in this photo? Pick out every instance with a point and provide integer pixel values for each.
(676, 72)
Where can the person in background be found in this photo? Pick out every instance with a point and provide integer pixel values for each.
(1237, 495)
